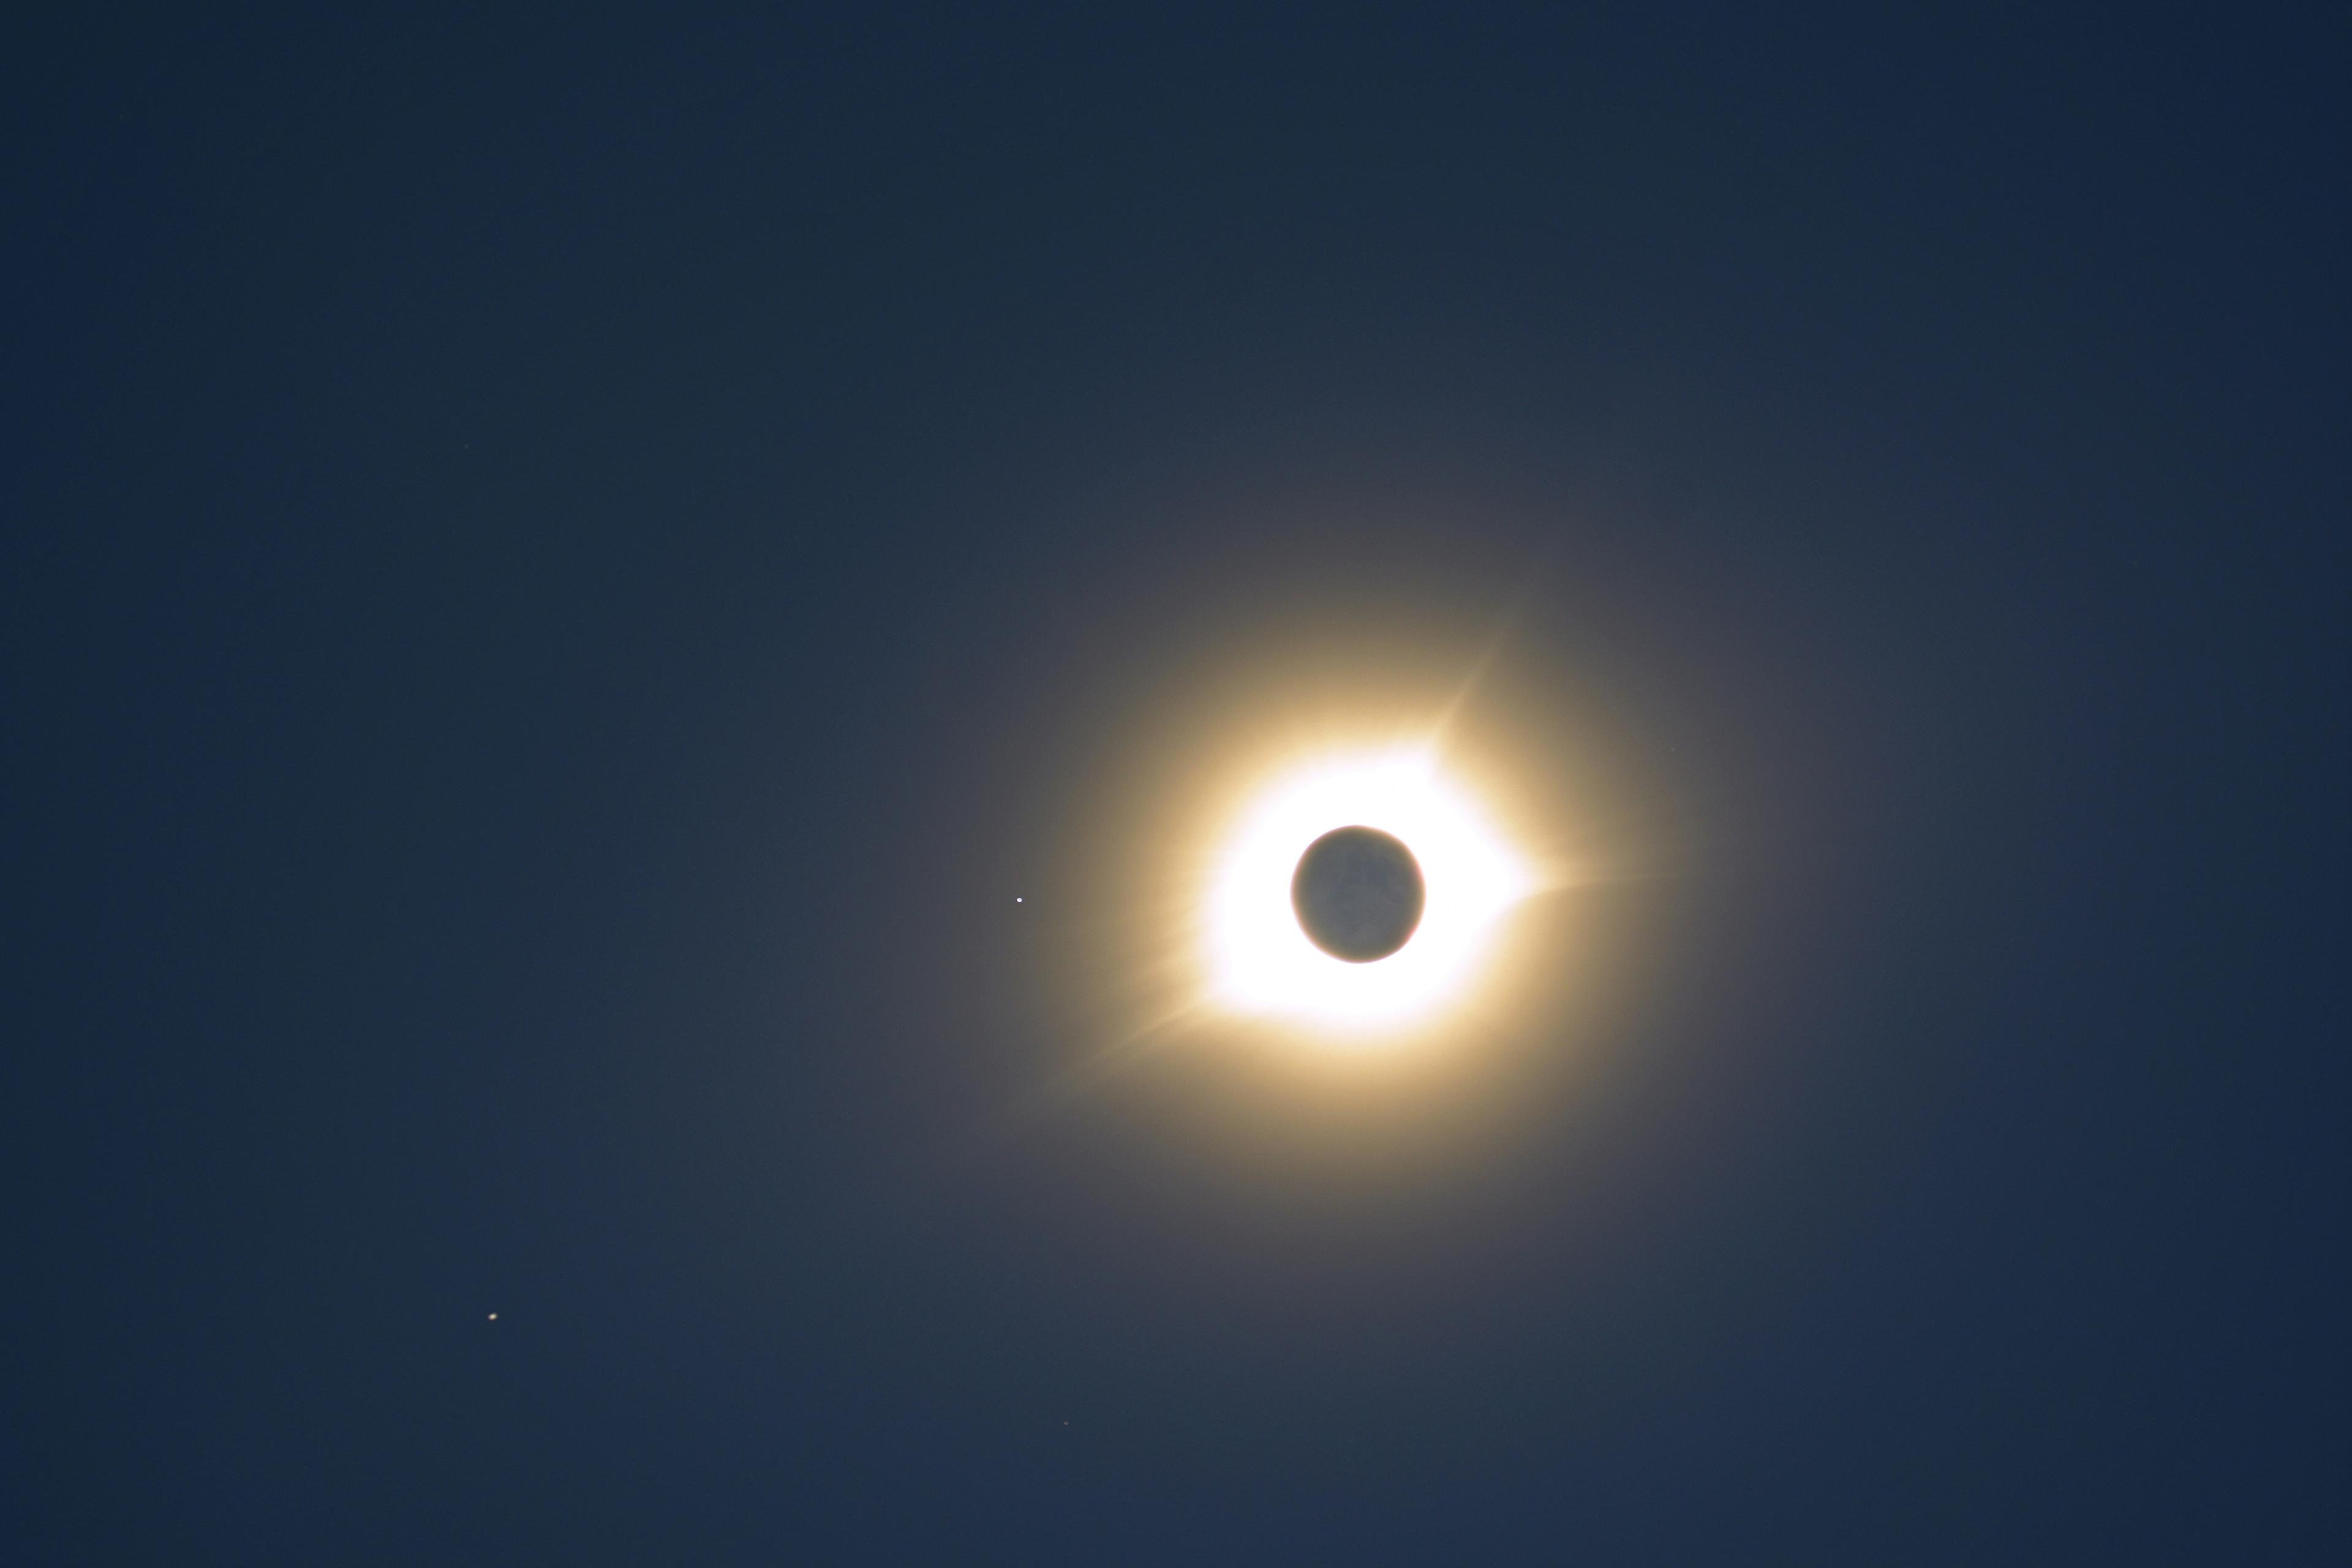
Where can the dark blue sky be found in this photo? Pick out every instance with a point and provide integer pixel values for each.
(560, 573)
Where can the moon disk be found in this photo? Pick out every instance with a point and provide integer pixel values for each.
(1358, 894)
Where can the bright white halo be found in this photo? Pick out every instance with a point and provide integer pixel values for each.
(1258, 960)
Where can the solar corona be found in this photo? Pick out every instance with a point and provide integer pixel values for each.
(1357, 895)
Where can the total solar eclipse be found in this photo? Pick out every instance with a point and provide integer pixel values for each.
(1358, 893)
(1355, 894)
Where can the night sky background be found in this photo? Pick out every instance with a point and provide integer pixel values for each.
(561, 574)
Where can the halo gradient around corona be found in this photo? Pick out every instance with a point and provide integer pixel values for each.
(1260, 963)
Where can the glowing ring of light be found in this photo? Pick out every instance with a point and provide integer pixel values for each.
(1258, 960)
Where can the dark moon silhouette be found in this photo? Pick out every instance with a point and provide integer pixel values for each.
(1358, 894)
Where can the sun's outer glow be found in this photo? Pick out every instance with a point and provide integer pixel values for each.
(1258, 960)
